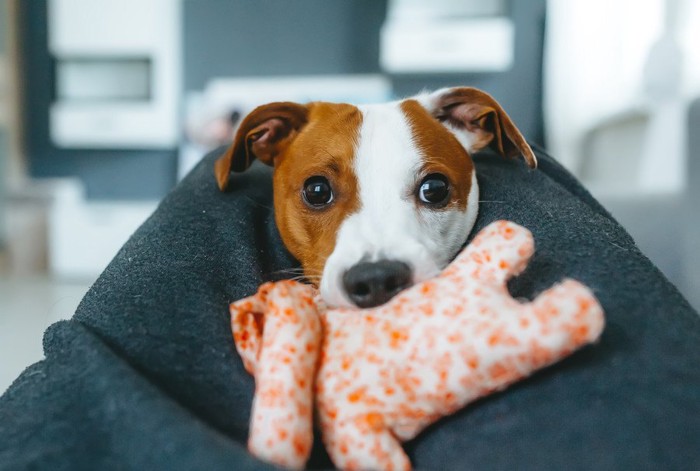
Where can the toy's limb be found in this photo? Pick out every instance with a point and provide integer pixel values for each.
(364, 443)
(286, 345)
(568, 316)
(247, 322)
(500, 250)
(559, 321)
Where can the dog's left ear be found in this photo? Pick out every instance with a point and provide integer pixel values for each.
(262, 135)
(478, 121)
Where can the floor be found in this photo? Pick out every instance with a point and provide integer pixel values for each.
(28, 305)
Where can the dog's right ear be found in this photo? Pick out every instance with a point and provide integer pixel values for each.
(262, 135)
(478, 118)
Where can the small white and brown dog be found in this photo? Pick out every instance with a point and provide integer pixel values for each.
(372, 199)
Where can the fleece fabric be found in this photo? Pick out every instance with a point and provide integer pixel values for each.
(146, 375)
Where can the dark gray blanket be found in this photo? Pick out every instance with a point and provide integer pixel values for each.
(146, 376)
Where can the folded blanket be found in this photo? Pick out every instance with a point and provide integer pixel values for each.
(145, 376)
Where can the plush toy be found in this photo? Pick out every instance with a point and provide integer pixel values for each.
(377, 377)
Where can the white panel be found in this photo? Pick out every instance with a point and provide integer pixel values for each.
(109, 26)
(126, 31)
(604, 73)
(84, 237)
(594, 59)
(421, 10)
(104, 79)
(118, 125)
(471, 45)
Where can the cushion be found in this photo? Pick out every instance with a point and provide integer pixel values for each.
(145, 375)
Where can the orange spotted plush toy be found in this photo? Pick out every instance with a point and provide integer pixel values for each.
(377, 377)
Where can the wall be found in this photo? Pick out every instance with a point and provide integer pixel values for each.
(278, 37)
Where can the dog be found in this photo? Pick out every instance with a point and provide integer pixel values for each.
(372, 199)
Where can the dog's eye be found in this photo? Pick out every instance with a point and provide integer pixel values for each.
(317, 191)
(434, 189)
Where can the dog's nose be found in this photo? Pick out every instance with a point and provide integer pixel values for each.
(370, 284)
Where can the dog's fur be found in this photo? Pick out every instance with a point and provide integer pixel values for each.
(374, 158)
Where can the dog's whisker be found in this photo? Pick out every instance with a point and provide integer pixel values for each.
(302, 278)
(296, 274)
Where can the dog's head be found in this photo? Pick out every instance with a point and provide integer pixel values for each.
(371, 199)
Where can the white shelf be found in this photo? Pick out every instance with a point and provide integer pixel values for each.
(110, 47)
(446, 45)
(84, 236)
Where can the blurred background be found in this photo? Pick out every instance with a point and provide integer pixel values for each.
(105, 105)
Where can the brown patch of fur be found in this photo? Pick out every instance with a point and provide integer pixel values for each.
(324, 146)
(441, 152)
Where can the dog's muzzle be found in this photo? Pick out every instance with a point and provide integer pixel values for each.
(370, 284)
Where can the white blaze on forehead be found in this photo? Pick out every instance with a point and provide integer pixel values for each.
(386, 164)
(389, 224)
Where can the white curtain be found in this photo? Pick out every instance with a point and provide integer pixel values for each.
(595, 57)
(595, 52)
